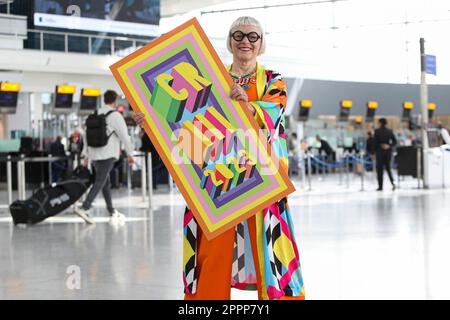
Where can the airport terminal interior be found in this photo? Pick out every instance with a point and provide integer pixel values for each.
(370, 215)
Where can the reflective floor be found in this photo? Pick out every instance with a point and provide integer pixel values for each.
(353, 245)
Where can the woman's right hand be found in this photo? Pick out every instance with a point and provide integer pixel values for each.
(239, 94)
(139, 118)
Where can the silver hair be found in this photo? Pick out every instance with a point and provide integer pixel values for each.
(247, 21)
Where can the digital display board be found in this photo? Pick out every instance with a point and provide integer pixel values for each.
(305, 105)
(88, 103)
(89, 99)
(64, 97)
(344, 113)
(9, 93)
(8, 99)
(133, 17)
(372, 107)
(407, 107)
(431, 108)
(63, 101)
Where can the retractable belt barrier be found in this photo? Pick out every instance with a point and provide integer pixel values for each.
(321, 166)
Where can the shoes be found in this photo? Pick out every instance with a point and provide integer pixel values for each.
(84, 214)
(393, 187)
(117, 218)
(380, 189)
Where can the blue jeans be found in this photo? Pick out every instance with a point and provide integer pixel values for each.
(58, 170)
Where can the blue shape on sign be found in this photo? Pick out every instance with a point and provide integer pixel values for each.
(430, 64)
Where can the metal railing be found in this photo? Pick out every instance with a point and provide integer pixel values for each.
(45, 40)
(146, 175)
(21, 176)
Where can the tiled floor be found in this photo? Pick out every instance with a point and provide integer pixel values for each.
(353, 245)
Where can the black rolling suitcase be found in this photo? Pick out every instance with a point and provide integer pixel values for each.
(52, 199)
(136, 179)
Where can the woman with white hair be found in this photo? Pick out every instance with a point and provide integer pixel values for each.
(261, 252)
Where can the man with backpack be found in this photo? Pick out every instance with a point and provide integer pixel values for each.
(105, 130)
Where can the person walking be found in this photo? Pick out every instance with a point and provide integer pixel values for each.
(260, 253)
(384, 142)
(104, 157)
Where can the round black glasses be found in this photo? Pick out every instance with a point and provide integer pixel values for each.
(251, 36)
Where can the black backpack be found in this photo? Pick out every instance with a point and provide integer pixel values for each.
(96, 134)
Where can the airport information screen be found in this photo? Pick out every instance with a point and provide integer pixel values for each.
(88, 103)
(8, 99)
(131, 17)
(63, 101)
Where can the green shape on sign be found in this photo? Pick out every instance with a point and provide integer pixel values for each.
(166, 101)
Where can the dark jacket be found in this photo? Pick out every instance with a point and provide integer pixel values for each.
(382, 136)
(370, 145)
(147, 146)
(57, 149)
(325, 146)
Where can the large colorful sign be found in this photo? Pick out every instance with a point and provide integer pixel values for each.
(212, 145)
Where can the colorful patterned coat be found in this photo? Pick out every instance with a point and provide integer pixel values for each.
(277, 250)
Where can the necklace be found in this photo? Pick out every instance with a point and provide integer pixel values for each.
(245, 80)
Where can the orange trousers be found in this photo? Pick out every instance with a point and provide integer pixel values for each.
(214, 263)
